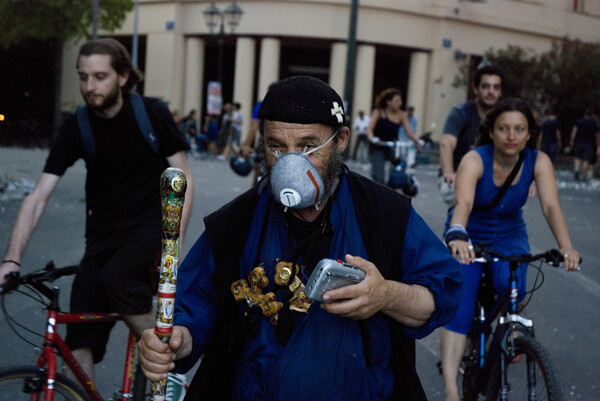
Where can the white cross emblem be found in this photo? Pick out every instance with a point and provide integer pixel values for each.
(338, 112)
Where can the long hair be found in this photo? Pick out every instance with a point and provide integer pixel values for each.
(505, 105)
(120, 60)
(385, 96)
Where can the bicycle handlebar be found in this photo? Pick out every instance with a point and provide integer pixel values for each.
(47, 274)
(553, 256)
(392, 144)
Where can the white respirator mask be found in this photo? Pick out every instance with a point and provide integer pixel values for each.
(295, 181)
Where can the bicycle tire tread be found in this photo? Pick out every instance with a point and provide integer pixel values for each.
(531, 348)
(70, 389)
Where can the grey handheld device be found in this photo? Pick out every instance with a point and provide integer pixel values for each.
(330, 274)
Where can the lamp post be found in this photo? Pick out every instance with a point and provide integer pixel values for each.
(213, 16)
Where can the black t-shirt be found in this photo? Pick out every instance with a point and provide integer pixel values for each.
(548, 129)
(385, 129)
(123, 180)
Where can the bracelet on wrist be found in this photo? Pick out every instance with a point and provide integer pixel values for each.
(11, 261)
(456, 231)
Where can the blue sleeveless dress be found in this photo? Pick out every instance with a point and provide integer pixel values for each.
(502, 228)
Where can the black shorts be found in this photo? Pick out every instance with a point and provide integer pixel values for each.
(585, 152)
(115, 276)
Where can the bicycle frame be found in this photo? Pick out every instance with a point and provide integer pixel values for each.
(506, 311)
(53, 341)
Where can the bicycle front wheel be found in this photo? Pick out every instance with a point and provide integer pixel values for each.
(529, 376)
(27, 383)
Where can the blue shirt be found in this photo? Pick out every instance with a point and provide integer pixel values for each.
(324, 357)
(412, 122)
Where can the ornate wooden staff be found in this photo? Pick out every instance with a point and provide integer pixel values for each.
(173, 184)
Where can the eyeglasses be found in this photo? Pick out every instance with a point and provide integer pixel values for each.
(279, 150)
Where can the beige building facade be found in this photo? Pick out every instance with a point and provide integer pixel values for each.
(417, 45)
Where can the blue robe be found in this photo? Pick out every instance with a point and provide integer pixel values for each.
(324, 357)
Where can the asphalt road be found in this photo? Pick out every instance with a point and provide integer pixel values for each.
(566, 309)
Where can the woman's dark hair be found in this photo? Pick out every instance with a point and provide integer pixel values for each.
(385, 96)
(503, 106)
(120, 60)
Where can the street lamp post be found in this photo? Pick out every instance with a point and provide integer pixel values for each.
(213, 16)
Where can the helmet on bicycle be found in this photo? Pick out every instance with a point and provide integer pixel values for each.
(241, 166)
(412, 187)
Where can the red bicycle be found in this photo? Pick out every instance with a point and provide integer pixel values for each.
(43, 381)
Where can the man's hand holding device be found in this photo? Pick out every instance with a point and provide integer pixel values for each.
(330, 274)
(359, 300)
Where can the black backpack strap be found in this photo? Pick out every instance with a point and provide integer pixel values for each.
(509, 180)
(87, 135)
(144, 122)
(141, 116)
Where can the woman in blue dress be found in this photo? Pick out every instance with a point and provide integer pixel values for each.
(509, 129)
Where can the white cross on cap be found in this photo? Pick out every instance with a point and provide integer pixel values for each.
(338, 112)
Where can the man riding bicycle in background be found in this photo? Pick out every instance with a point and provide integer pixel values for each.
(462, 126)
(123, 205)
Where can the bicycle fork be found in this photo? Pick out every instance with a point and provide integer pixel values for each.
(515, 323)
(47, 359)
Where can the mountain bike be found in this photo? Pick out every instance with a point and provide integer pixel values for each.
(503, 360)
(44, 381)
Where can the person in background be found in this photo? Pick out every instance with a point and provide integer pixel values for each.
(507, 141)
(211, 132)
(413, 122)
(550, 141)
(225, 129)
(176, 118)
(360, 125)
(462, 126)
(237, 118)
(356, 345)
(386, 119)
(189, 128)
(583, 143)
(251, 145)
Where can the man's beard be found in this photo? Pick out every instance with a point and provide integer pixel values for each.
(109, 101)
(485, 105)
(332, 172)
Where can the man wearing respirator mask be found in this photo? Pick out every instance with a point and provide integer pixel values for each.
(241, 300)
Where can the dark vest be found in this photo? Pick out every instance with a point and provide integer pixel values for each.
(375, 206)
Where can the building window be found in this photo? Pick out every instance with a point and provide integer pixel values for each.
(589, 7)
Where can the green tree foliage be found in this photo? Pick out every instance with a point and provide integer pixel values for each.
(55, 21)
(566, 78)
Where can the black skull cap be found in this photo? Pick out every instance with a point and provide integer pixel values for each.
(303, 99)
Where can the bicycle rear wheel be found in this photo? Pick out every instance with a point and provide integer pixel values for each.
(530, 378)
(27, 382)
